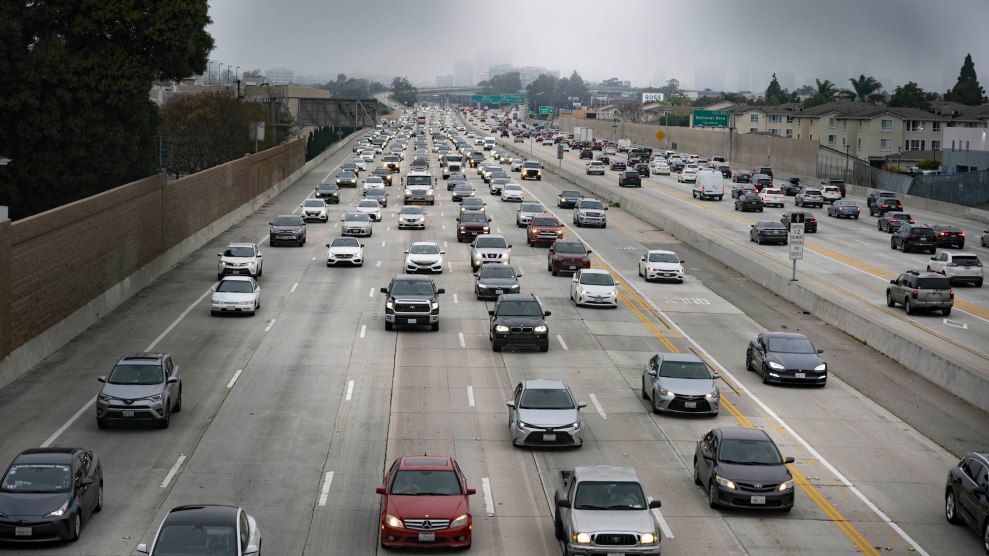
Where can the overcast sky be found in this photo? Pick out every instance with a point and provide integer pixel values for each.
(717, 44)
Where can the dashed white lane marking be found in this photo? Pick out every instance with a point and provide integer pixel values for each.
(498, 230)
(388, 229)
(470, 396)
(295, 285)
(363, 329)
(488, 500)
(379, 263)
(444, 244)
(350, 390)
(325, 491)
(456, 301)
(663, 525)
(597, 406)
(371, 293)
(383, 243)
(562, 343)
(463, 344)
(270, 324)
(444, 226)
(234, 379)
(314, 258)
(173, 471)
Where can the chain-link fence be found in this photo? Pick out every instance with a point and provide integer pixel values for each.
(319, 140)
(969, 188)
(834, 165)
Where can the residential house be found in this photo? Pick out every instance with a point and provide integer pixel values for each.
(880, 133)
(773, 120)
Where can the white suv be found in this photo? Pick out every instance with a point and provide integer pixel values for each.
(957, 267)
(239, 258)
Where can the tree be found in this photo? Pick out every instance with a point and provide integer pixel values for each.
(631, 113)
(671, 89)
(806, 90)
(911, 96)
(541, 92)
(403, 91)
(75, 78)
(572, 87)
(505, 83)
(967, 90)
(774, 92)
(612, 82)
(864, 86)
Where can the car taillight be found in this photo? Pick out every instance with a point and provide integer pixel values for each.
(944, 233)
(911, 221)
(951, 294)
(914, 294)
(961, 234)
(885, 206)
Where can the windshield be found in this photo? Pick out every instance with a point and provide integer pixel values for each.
(531, 207)
(491, 243)
(288, 221)
(933, 284)
(234, 286)
(463, 188)
(545, 222)
(345, 242)
(534, 165)
(512, 187)
(549, 398)
(374, 179)
(966, 260)
(411, 287)
(769, 224)
(562, 247)
(751, 452)
(136, 374)
(419, 180)
(569, 194)
(592, 205)
(844, 203)
(684, 369)
(196, 540)
(411, 210)
(791, 345)
(416, 482)
(239, 252)
(314, 203)
(592, 495)
(663, 258)
(359, 216)
(375, 192)
(38, 478)
(520, 309)
(347, 175)
(496, 271)
(424, 249)
(596, 279)
(328, 187)
(369, 204)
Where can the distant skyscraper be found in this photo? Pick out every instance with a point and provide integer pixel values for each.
(279, 76)
(463, 74)
(488, 58)
(500, 69)
(444, 80)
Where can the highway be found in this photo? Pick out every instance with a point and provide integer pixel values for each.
(296, 412)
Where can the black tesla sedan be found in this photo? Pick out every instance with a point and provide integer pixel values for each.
(786, 357)
(965, 498)
(46, 494)
(743, 468)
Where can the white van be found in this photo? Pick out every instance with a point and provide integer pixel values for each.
(709, 185)
(489, 143)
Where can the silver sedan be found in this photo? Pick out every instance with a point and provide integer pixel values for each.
(680, 383)
(544, 413)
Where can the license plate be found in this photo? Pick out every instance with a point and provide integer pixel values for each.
(22, 531)
(412, 321)
(758, 499)
(128, 413)
(572, 267)
(549, 438)
(690, 405)
(800, 375)
(427, 537)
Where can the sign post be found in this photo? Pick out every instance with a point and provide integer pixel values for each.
(796, 241)
(559, 153)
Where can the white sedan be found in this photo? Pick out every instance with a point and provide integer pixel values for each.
(660, 167)
(658, 264)
(236, 294)
(314, 209)
(687, 175)
(424, 256)
(360, 163)
(371, 208)
(593, 286)
(512, 192)
(772, 196)
(411, 217)
(345, 250)
(595, 167)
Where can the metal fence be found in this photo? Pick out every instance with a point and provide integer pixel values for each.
(969, 188)
(833, 164)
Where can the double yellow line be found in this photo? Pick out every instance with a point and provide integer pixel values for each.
(627, 295)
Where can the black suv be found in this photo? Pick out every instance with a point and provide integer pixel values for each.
(519, 320)
(328, 192)
(586, 153)
(913, 236)
(413, 300)
(882, 205)
(629, 178)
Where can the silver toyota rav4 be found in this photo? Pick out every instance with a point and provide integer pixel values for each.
(141, 387)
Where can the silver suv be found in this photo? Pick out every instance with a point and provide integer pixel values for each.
(526, 212)
(141, 387)
(239, 258)
(917, 290)
(590, 212)
(808, 197)
(489, 248)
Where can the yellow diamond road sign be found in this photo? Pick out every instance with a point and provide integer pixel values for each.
(660, 136)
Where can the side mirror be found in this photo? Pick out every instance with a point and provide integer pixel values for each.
(439, 291)
(643, 258)
(682, 261)
(406, 251)
(380, 490)
(589, 251)
(361, 244)
(892, 281)
(653, 504)
(259, 255)
(788, 459)
(509, 245)
(820, 351)
(271, 223)
(173, 380)
(715, 375)
(490, 312)
(142, 548)
(934, 258)
(547, 313)
(489, 219)
(327, 244)
(563, 503)
(101, 379)
(519, 275)
(618, 283)
(581, 405)
(510, 404)
(384, 290)
(458, 219)
(752, 226)
(219, 254)
(85, 482)
(471, 491)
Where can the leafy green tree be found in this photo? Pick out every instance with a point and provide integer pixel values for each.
(505, 83)
(403, 91)
(911, 96)
(967, 90)
(671, 89)
(864, 86)
(541, 92)
(75, 78)
(612, 82)
(774, 92)
(806, 90)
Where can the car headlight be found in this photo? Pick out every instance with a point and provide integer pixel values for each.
(715, 394)
(463, 229)
(105, 398)
(665, 392)
(501, 328)
(581, 291)
(155, 398)
(581, 538)
(775, 365)
(648, 538)
(524, 425)
(786, 485)
(393, 521)
(821, 367)
(541, 329)
(486, 229)
(389, 304)
(724, 482)
(429, 191)
(575, 426)
(434, 305)
(60, 511)
(459, 521)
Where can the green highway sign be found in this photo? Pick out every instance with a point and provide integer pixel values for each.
(710, 118)
(545, 109)
(498, 99)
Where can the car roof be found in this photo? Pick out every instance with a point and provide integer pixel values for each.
(660, 251)
(242, 244)
(426, 462)
(423, 243)
(517, 297)
(606, 473)
(46, 455)
(202, 514)
(544, 384)
(413, 278)
(784, 335)
(594, 271)
(236, 279)
(742, 433)
(680, 357)
(143, 357)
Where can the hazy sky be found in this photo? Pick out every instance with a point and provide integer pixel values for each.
(703, 43)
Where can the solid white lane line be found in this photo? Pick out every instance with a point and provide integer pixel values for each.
(350, 390)
(450, 266)
(470, 396)
(663, 525)
(382, 243)
(462, 343)
(68, 423)
(234, 379)
(371, 293)
(363, 329)
(325, 491)
(444, 244)
(173, 471)
(562, 343)
(488, 500)
(379, 263)
(597, 406)
(455, 298)
(270, 324)
(295, 285)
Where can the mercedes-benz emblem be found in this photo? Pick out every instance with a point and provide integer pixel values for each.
(427, 524)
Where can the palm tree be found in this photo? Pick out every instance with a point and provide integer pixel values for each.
(826, 91)
(864, 86)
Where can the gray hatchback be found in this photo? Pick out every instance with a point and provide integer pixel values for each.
(141, 387)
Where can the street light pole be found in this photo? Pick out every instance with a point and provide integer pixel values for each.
(847, 146)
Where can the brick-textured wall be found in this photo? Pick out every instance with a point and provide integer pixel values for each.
(54, 263)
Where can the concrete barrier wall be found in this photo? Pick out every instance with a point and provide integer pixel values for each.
(62, 270)
(846, 315)
(911, 202)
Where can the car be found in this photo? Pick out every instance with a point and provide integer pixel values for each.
(610, 151)
(687, 175)
(236, 294)
(518, 139)
(810, 221)
(766, 170)
(492, 280)
(497, 184)
(658, 264)
(741, 467)
(739, 190)
(472, 204)
(567, 256)
(287, 228)
(532, 169)
(947, 235)
(518, 320)
(392, 162)
(454, 180)
(373, 181)
(742, 176)
(629, 178)
(809, 197)
(345, 250)
(769, 231)
(604, 159)
(761, 181)
(831, 194)
(512, 192)
(594, 286)
(516, 166)
(46, 494)
(643, 169)
(660, 167)
(377, 194)
(602, 509)
(205, 529)
(965, 494)
(544, 413)
(356, 224)
(328, 192)
(925, 291)
(786, 357)
(425, 504)
(749, 201)
(346, 178)
(586, 154)
(361, 163)
(424, 256)
(462, 191)
(792, 186)
(349, 167)
(680, 383)
(413, 300)
(371, 208)
(240, 259)
(959, 268)
(143, 386)
(724, 169)
(489, 249)
(617, 166)
(471, 224)
(590, 212)
(840, 184)
(876, 195)
(844, 209)
(420, 164)
(543, 229)
(772, 196)
(548, 142)
(882, 205)
(890, 221)
(918, 237)
(594, 167)
(525, 213)
(568, 198)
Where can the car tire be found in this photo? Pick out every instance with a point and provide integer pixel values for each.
(389, 326)
(653, 405)
(765, 374)
(558, 531)
(907, 307)
(435, 327)
(697, 476)
(102, 423)
(219, 277)
(260, 271)
(166, 420)
(951, 508)
(643, 390)
(178, 402)
(946, 311)
(99, 499)
(978, 283)
(544, 348)
(892, 245)
(712, 496)
(889, 300)
(495, 346)
(76, 527)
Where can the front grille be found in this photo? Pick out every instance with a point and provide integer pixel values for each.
(491, 255)
(344, 256)
(615, 539)
(521, 330)
(426, 524)
(757, 487)
(537, 439)
(413, 307)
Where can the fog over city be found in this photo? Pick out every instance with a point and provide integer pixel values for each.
(717, 44)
